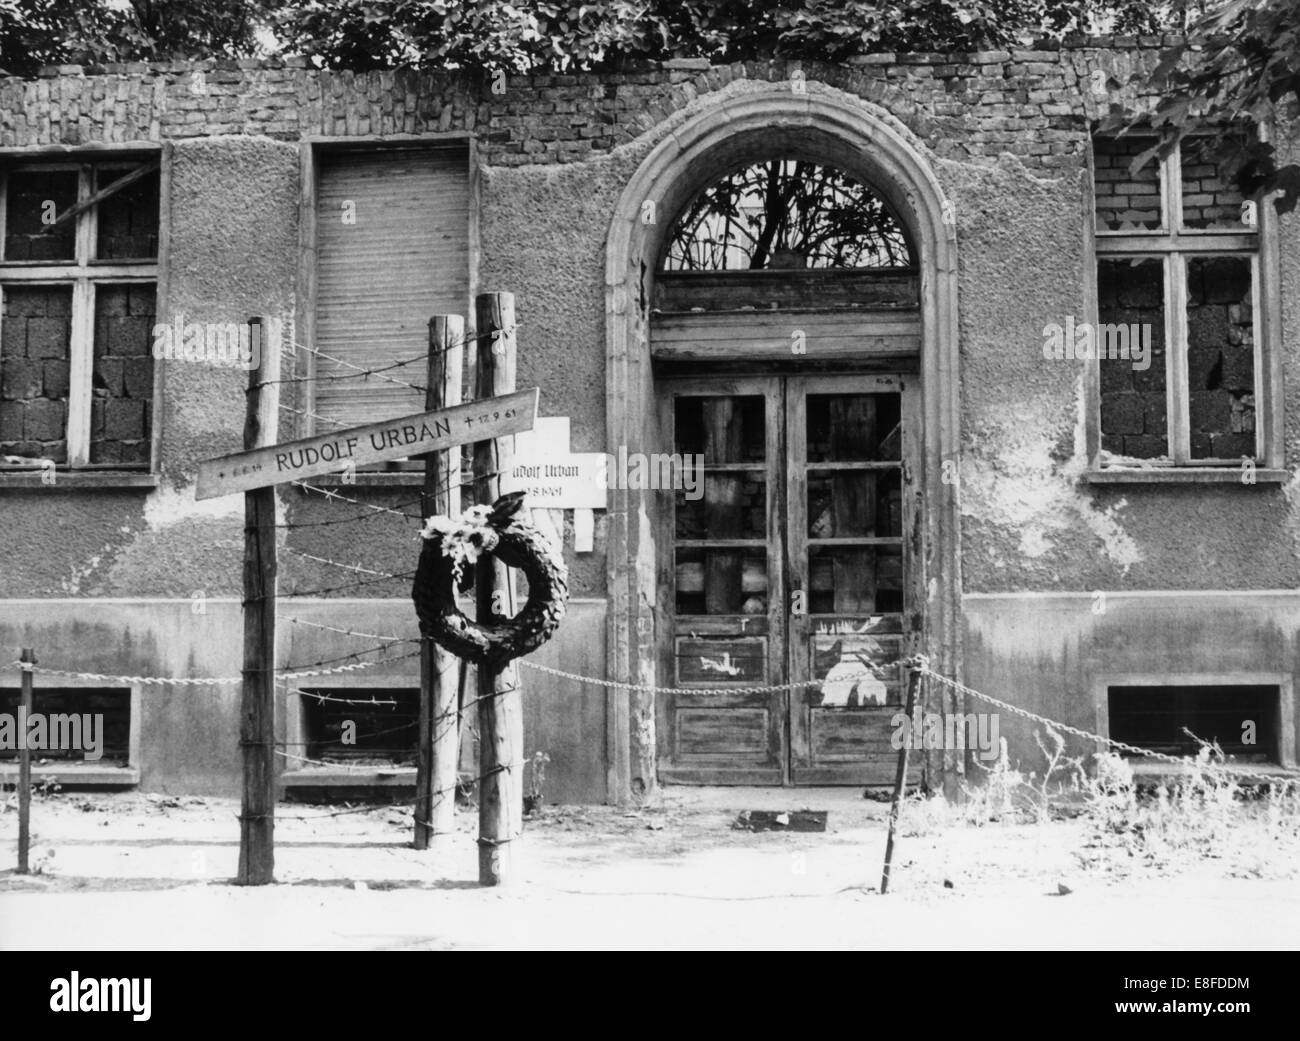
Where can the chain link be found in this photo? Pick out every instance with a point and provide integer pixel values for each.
(1016, 710)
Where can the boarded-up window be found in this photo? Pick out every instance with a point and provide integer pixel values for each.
(392, 241)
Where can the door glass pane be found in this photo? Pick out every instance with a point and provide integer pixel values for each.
(854, 579)
(722, 429)
(855, 504)
(721, 581)
(848, 428)
(1220, 357)
(733, 506)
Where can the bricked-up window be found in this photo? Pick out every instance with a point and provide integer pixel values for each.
(1177, 265)
(78, 278)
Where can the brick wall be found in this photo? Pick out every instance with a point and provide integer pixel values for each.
(34, 370)
(963, 105)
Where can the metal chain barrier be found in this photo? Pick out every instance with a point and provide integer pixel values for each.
(923, 666)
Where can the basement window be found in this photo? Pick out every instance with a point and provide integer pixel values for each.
(1184, 290)
(1242, 718)
(78, 283)
(78, 727)
(361, 726)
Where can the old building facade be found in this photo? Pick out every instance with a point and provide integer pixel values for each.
(1040, 429)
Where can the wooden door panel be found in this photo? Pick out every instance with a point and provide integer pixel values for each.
(724, 594)
(846, 487)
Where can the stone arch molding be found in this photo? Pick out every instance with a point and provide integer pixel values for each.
(717, 133)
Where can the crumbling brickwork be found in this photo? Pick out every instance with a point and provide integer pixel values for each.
(34, 369)
(963, 105)
(122, 405)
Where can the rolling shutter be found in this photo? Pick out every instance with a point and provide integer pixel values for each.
(380, 279)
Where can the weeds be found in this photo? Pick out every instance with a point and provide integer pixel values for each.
(1202, 813)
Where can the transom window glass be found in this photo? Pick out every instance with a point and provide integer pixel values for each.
(787, 214)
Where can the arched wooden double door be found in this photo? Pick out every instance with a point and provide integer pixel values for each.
(787, 556)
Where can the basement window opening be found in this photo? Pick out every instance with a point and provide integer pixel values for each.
(361, 727)
(89, 726)
(1242, 718)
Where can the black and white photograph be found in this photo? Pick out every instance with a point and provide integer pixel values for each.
(781, 475)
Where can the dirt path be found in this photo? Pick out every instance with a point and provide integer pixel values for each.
(132, 871)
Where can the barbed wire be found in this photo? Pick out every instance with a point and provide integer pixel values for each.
(350, 632)
(334, 496)
(400, 576)
(308, 414)
(289, 525)
(347, 567)
(340, 701)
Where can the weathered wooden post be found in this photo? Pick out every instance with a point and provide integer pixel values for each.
(439, 745)
(913, 666)
(500, 706)
(27, 660)
(257, 704)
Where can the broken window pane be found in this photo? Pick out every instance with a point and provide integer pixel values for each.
(848, 504)
(127, 219)
(122, 397)
(1220, 357)
(1208, 200)
(35, 333)
(855, 579)
(721, 581)
(846, 428)
(34, 198)
(1131, 307)
(733, 506)
(722, 429)
(1126, 201)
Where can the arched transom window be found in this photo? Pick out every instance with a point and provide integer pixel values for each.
(786, 214)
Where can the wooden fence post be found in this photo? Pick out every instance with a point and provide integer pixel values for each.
(439, 746)
(900, 777)
(500, 706)
(27, 660)
(257, 704)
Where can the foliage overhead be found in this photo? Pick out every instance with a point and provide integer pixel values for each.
(537, 34)
(1239, 64)
(53, 32)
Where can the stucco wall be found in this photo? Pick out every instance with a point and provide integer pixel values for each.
(1006, 136)
(190, 734)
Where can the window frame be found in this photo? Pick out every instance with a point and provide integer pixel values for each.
(1172, 245)
(83, 272)
(296, 774)
(1101, 683)
(80, 772)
